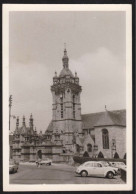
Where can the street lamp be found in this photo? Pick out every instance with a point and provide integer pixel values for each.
(10, 104)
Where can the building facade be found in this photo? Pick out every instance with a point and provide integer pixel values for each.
(100, 134)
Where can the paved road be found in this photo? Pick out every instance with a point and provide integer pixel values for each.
(55, 174)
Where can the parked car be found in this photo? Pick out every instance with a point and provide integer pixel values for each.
(95, 168)
(13, 166)
(105, 163)
(118, 164)
(45, 161)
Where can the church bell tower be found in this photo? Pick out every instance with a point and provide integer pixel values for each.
(66, 105)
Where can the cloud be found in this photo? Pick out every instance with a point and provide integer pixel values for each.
(30, 87)
(102, 77)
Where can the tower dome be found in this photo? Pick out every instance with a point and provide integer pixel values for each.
(65, 71)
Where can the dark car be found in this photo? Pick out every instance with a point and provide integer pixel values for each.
(13, 166)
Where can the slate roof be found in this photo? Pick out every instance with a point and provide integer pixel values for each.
(82, 139)
(106, 118)
(50, 127)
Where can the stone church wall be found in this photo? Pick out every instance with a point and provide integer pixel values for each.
(115, 132)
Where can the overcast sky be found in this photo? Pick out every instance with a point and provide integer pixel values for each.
(96, 49)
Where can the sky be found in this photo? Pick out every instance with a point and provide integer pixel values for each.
(96, 46)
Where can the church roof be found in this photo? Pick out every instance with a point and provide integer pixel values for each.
(85, 139)
(65, 71)
(50, 127)
(107, 118)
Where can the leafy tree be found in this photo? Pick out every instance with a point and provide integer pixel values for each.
(100, 155)
(85, 154)
(116, 155)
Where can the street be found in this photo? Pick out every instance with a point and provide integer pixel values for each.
(55, 174)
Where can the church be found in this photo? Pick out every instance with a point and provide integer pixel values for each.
(101, 135)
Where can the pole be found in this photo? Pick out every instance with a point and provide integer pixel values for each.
(10, 104)
(9, 115)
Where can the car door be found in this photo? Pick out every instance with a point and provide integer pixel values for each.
(98, 170)
(89, 168)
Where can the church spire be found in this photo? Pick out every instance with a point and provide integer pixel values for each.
(65, 58)
(31, 121)
(23, 121)
(17, 122)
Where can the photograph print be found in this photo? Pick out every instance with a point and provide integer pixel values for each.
(69, 81)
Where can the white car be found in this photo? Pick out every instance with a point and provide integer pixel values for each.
(94, 168)
(119, 165)
(45, 161)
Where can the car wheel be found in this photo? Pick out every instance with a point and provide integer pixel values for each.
(84, 173)
(110, 175)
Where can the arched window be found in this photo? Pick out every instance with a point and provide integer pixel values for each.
(39, 153)
(74, 106)
(89, 148)
(105, 138)
(61, 105)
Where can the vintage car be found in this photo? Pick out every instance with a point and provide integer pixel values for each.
(13, 166)
(95, 168)
(45, 161)
(118, 164)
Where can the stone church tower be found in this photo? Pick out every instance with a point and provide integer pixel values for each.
(66, 104)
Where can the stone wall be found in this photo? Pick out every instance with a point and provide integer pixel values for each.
(115, 132)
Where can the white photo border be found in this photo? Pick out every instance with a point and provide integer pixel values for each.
(5, 61)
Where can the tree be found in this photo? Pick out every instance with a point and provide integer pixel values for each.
(116, 155)
(85, 154)
(125, 156)
(100, 155)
